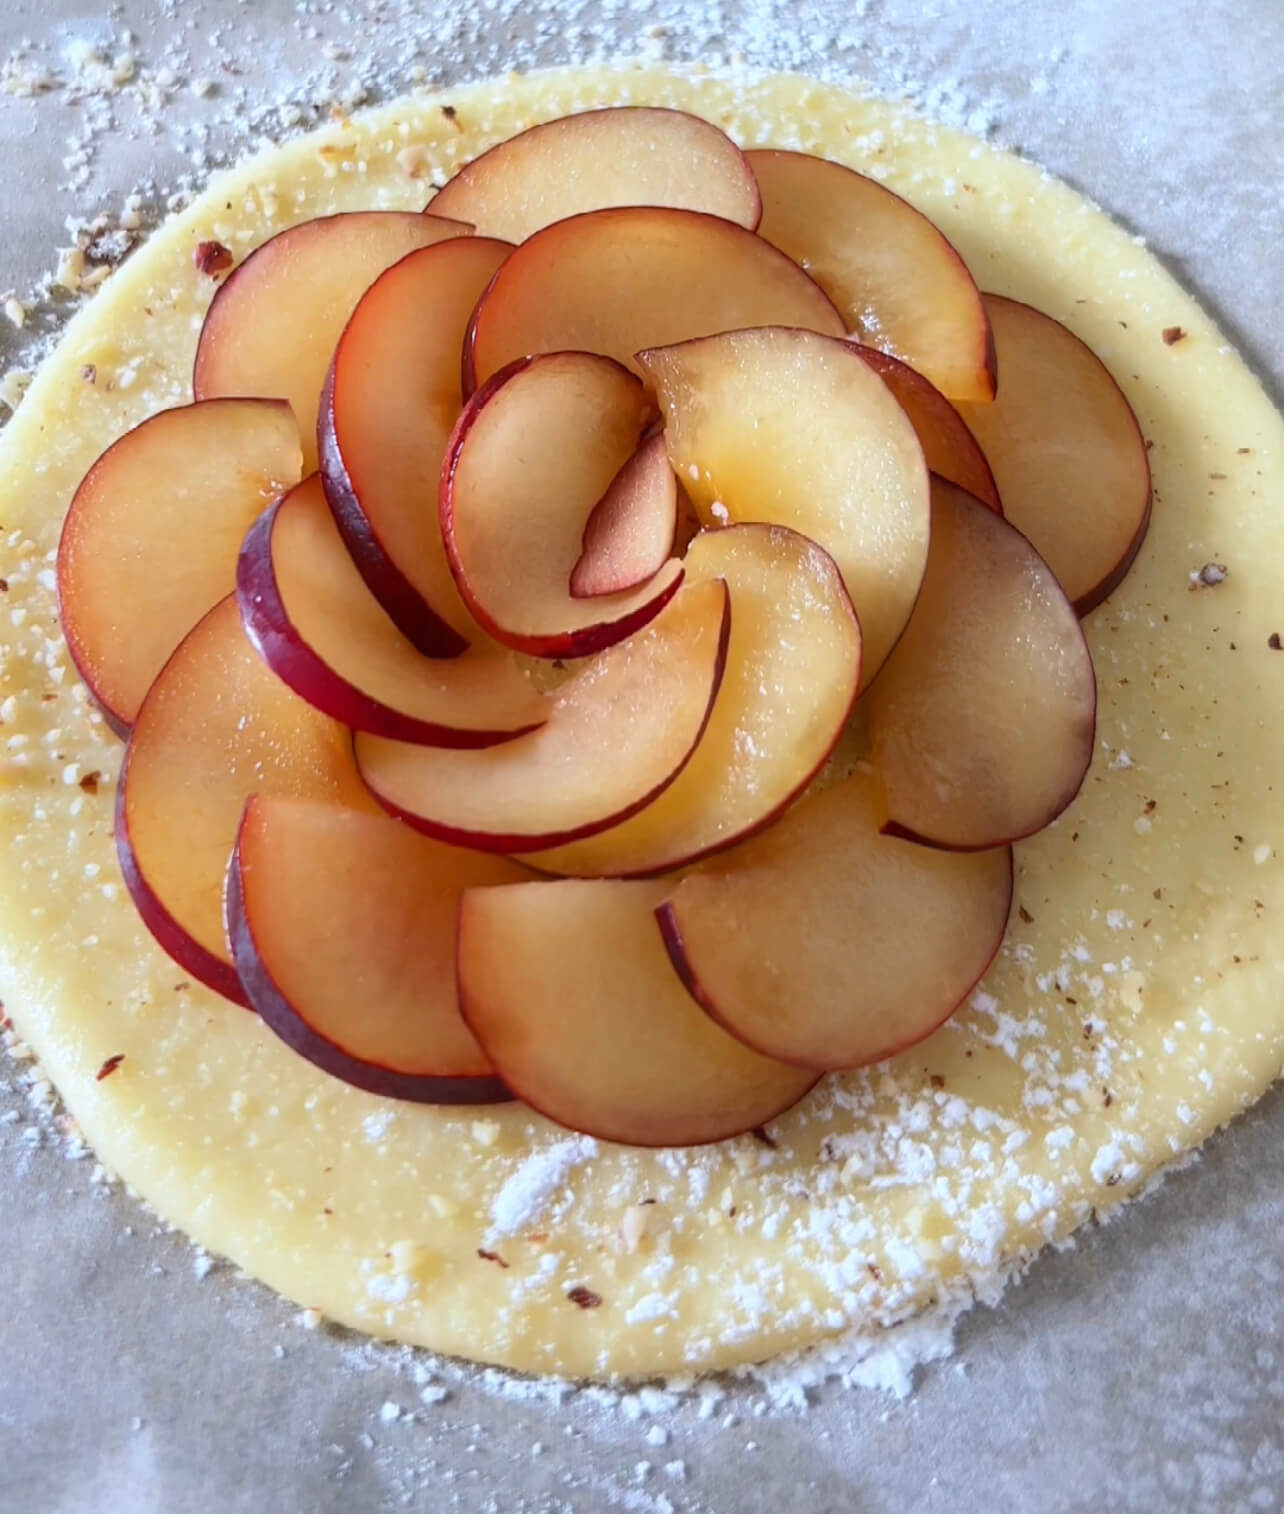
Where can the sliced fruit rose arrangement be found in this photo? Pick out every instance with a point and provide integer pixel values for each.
(647, 513)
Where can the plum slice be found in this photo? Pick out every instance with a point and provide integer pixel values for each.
(1067, 452)
(900, 285)
(343, 931)
(632, 528)
(568, 988)
(829, 945)
(391, 398)
(949, 448)
(317, 626)
(621, 155)
(616, 281)
(617, 734)
(984, 717)
(535, 449)
(793, 668)
(271, 327)
(216, 727)
(150, 542)
(792, 427)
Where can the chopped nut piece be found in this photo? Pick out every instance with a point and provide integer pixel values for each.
(492, 1256)
(1273, 641)
(1209, 576)
(212, 259)
(1173, 334)
(89, 781)
(71, 265)
(414, 160)
(633, 1227)
(109, 1066)
(585, 1298)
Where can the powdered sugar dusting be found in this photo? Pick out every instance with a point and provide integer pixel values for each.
(532, 1187)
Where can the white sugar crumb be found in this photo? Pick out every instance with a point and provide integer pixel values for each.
(376, 1126)
(389, 1413)
(657, 1435)
(524, 1197)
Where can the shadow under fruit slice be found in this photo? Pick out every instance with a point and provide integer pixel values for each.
(272, 326)
(826, 944)
(569, 990)
(535, 450)
(317, 626)
(1067, 452)
(621, 155)
(617, 734)
(984, 717)
(391, 398)
(793, 667)
(616, 281)
(343, 931)
(216, 727)
(792, 428)
(150, 541)
(898, 282)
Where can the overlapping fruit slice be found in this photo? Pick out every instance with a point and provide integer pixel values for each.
(792, 671)
(1066, 450)
(343, 932)
(616, 281)
(827, 944)
(949, 448)
(984, 717)
(391, 397)
(492, 470)
(535, 450)
(216, 727)
(626, 155)
(317, 626)
(568, 989)
(633, 527)
(792, 427)
(899, 283)
(617, 735)
(271, 327)
(150, 542)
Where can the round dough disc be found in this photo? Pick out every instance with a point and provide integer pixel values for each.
(1137, 1005)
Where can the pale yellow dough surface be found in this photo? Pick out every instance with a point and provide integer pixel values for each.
(1137, 1005)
